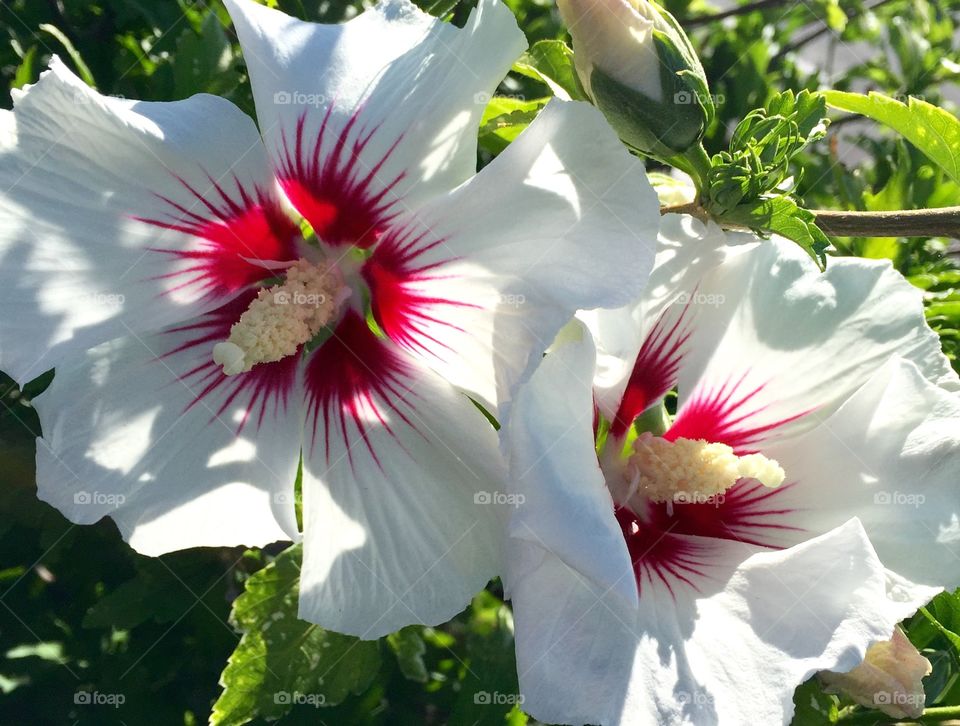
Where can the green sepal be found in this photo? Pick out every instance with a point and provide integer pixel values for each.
(781, 215)
(662, 128)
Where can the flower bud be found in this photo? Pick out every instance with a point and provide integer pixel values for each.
(889, 679)
(637, 65)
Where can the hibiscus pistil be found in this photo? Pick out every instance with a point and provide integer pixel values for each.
(283, 317)
(691, 470)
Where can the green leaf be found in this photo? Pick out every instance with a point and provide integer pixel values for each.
(282, 661)
(504, 119)
(808, 110)
(931, 129)
(551, 61)
(814, 707)
(937, 625)
(762, 149)
(505, 105)
(929, 280)
(26, 73)
(834, 16)
(880, 248)
(205, 62)
(408, 646)
(489, 690)
(82, 69)
(943, 613)
(437, 8)
(942, 675)
(782, 216)
(947, 309)
(153, 594)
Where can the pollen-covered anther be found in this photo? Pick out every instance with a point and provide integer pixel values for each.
(282, 317)
(693, 470)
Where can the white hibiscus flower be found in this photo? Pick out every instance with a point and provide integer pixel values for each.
(148, 251)
(802, 501)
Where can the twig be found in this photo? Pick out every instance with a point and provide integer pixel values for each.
(694, 209)
(940, 222)
(732, 12)
(812, 36)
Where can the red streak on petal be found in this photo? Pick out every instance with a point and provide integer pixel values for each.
(724, 416)
(748, 512)
(327, 179)
(233, 232)
(264, 391)
(658, 542)
(654, 371)
(402, 307)
(744, 513)
(356, 385)
(659, 556)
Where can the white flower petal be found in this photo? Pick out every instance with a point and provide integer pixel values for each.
(576, 645)
(148, 431)
(393, 97)
(119, 215)
(567, 508)
(730, 654)
(783, 341)
(402, 490)
(785, 615)
(563, 219)
(891, 457)
(686, 250)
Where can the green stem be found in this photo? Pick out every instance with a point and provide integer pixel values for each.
(700, 162)
(677, 162)
(695, 162)
(656, 420)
